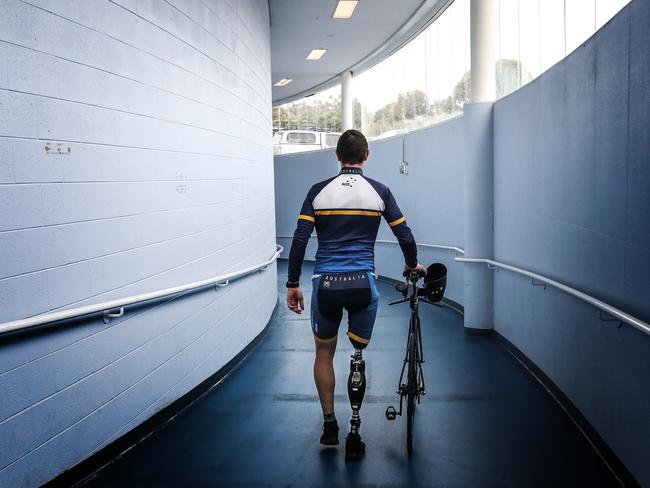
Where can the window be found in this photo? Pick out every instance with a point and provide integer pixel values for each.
(428, 79)
(424, 82)
(536, 34)
(317, 114)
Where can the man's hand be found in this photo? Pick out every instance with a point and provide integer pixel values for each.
(295, 300)
(418, 267)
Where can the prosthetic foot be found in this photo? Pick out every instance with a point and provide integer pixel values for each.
(354, 447)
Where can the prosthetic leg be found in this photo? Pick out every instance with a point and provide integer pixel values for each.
(354, 447)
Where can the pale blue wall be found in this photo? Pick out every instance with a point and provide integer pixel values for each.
(572, 201)
(165, 107)
(431, 195)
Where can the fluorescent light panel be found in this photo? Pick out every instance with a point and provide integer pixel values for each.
(344, 9)
(316, 54)
(283, 81)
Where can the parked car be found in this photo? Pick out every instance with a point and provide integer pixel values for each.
(291, 141)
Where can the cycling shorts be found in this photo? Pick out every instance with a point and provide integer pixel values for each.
(355, 292)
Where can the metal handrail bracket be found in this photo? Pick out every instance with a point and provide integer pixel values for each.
(108, 315)
(539, 279)
(105, 308)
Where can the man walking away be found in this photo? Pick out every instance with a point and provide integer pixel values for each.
(346, 211)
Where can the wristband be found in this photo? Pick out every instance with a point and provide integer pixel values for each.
(292, 284)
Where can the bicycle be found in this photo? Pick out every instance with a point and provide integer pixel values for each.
(414, 388)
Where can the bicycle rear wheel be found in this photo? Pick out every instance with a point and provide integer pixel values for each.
(411, 389)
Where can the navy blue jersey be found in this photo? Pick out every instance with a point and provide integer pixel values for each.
(346, 211)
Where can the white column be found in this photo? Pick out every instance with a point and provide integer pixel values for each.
(479, 191)
(483, 17)
(347, 120)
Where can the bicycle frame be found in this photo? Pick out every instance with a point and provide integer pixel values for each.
(411, 296)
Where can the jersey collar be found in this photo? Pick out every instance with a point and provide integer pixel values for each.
(348, 170)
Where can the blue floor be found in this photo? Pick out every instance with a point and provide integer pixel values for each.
(485, 421)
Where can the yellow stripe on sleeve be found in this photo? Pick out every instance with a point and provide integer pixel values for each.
(306, 217)
(397, 222)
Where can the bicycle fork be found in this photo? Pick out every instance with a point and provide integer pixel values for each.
(402, 390)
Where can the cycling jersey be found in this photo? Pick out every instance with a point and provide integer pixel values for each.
(346, 211)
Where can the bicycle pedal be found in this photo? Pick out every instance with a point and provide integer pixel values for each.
(391, 413)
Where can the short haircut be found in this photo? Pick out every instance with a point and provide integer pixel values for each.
(352, 146)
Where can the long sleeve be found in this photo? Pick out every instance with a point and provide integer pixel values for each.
(301, 236)
(397, 223)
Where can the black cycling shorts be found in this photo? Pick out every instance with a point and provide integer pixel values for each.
(355, 292)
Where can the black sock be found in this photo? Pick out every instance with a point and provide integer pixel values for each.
(329, 417)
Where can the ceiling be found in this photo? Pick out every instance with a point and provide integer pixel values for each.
(376, 29)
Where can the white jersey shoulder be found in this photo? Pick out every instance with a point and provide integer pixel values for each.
(348, 191)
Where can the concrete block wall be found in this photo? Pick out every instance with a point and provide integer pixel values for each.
(135, 154)
(431, 195)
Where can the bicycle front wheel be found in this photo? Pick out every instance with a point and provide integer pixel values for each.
(411, 389)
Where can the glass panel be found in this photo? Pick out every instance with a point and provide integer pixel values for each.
(551, 31)
(457, 88)
(529, 56)
(432, 71)
(424, 82)
(580, 21)
(606, 9)
(319, 113)
(428, 80)
(507, 66)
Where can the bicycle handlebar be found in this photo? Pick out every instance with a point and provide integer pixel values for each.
(413, 274)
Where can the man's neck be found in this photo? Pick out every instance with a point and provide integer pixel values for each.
(356, 169)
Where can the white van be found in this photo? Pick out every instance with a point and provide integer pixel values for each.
(292, 141)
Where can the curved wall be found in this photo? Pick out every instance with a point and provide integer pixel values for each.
(572, 202)
(135, 154)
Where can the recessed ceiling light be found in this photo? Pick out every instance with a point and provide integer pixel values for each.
(283, 81)
(316, 54)
(344, 9)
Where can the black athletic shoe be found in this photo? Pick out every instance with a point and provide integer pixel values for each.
(330, 435)
(354, 447)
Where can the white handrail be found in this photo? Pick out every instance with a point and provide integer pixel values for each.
(433, 246)
(106, 307)
(381, 241)
(613, 311)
